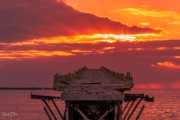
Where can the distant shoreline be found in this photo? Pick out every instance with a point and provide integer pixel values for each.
(30, 88)
(46, 88)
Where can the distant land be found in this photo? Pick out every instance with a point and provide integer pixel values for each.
(25, 88)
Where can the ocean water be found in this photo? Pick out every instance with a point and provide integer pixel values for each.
(17, 105)
(166, 105)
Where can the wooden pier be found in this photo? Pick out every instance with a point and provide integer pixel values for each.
(95, 94)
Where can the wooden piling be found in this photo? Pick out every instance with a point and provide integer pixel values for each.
(139, 114)
(49, 109)
(47, 113)
(57, 109)
(134, 109)
(128, 110)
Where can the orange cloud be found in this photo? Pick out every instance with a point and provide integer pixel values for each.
(31, 54)
(178, 57)
(167, 64)
(85, 52)
(175, 22)
(91, 39)
(144, 24)
(108, 48)
(152, 49)
(177, 48)
(162, 48)
(171, 17)
(148, 13)
(86, 45)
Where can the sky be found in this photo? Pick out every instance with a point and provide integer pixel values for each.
(39, 38)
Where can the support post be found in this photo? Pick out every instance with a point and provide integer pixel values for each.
(139, 114)
(104, 115)
(65, 112)
(57, 109)
(49, 109)
(125, 107)
(119, 109)
(128, 110)
(47, 113)
(81, 113)
(134, 109)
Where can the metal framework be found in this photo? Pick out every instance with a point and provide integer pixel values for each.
(94, 94)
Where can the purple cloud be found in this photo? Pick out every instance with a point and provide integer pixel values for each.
(28, 19)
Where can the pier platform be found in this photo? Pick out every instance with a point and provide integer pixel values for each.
(95, 94)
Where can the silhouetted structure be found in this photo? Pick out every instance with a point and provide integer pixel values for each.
(95, 94)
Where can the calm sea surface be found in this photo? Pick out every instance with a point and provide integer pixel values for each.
(19, 106)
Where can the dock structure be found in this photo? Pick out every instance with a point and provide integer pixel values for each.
(95, 94)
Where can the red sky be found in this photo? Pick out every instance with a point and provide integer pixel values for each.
(41, 37)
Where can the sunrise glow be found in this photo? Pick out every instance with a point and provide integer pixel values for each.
(91, 39)
(151, 86)
(142, 37)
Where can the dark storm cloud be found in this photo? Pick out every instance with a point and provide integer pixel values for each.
(28, 19)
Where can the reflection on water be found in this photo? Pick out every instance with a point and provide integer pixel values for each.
(166, 105)
(18, 105)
